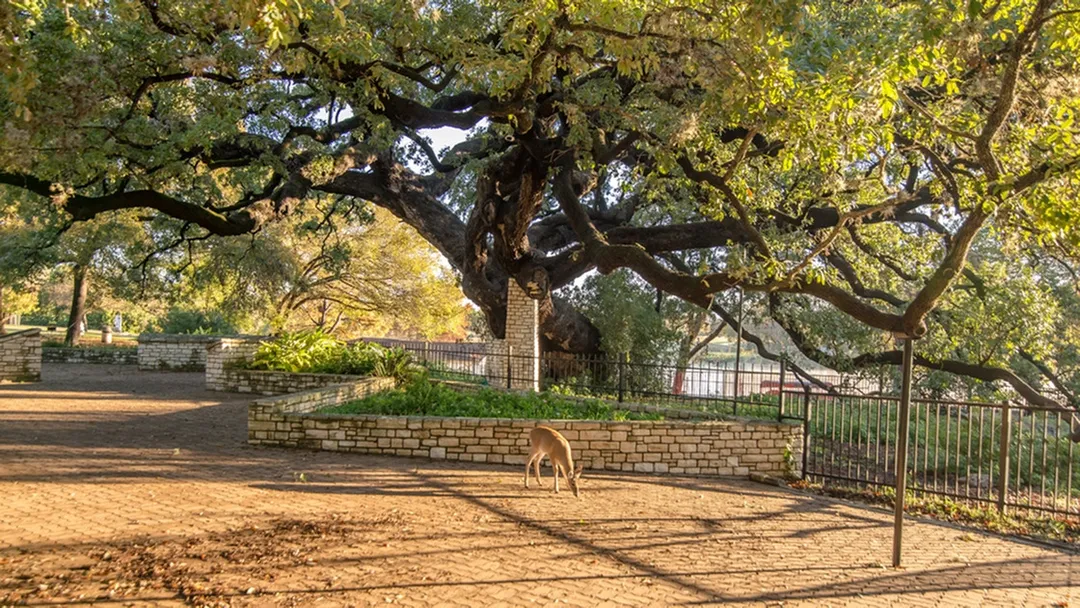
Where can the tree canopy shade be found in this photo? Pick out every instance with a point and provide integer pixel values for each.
(838, 157)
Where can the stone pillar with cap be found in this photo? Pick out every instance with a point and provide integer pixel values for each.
(523, 338)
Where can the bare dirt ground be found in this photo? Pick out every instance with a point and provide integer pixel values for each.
(132, 488)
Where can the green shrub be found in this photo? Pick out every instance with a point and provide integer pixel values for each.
(394, 363)
(48, 315)
(312, 351)
(424, 398)
(317, 352)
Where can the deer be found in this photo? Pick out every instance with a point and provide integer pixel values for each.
(548, 442)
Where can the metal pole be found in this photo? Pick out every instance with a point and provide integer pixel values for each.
(902, 421)
(806, 433)
(623, 358)
(1003, 457)
(738, 356)
(783, 377)
(509, 367)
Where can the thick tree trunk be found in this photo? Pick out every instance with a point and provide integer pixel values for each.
(3, 314)
(78, 306)
(685, 346)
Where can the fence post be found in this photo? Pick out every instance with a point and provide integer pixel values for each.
(623, 358)
(806, 433)
(1003, 457)
(903, 419)
(427, 351)
(738, 356)
(509, 367)
(783, 377)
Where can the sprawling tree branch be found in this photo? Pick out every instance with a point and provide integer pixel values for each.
(560, 132)
(765, 353)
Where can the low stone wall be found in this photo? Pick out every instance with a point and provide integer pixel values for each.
(224, 353)
(275, 383)
(190, 353)
(726, 448)
(272, 420)
(173, 352)
(112, 356)
(20, 356)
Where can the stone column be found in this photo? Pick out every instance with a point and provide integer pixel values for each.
(20, 356)
(523, 337)
(222, 353)
(495, 364)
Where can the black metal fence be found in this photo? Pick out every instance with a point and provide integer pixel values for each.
(719, 387)
(1006, 456)
(750, 390)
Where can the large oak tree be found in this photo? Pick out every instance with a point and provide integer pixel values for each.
(840, 156)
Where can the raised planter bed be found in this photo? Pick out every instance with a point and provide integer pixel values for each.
(714, 447)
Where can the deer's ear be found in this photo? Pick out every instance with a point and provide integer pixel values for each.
(577, 470)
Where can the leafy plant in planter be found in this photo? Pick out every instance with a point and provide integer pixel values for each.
(318, 352)
(395, 363)
(309, 351)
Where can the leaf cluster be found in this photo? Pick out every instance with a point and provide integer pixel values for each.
(317, 352)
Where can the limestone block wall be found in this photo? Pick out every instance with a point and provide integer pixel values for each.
(272, 420)
(221, 355)
(112, 356)
(275, 383)
(726, 448)
(20, 356)
(173, 352)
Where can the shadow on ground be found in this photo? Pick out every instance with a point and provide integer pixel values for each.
(380, 526)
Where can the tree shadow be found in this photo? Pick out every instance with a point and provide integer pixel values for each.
(120, 446)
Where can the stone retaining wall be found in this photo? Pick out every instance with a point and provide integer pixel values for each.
(274, 383)
(112, 356)
(20, 356)
(271, 419)
(727, 448)
(173, 352)
(224, 353)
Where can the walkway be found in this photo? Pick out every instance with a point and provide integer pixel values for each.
(139, 487)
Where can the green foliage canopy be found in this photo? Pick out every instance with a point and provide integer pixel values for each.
(849, 161)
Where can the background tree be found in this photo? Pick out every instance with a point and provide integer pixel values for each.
(837, 158)
(98, 255)
(626, 313)
(20, 248)
(357, 272)
(13, 302)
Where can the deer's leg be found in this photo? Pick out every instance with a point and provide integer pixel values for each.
(555, 470)
(528, 464)
(536, 464)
